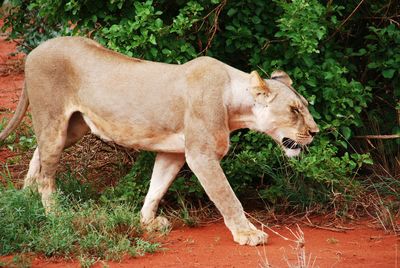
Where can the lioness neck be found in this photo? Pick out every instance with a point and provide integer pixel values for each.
(239, 101)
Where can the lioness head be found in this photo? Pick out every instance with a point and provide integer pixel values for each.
(281, 112)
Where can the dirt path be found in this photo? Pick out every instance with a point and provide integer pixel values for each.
(212, 245)
(11, 80)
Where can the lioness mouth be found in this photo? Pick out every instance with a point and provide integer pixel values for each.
(290, 144)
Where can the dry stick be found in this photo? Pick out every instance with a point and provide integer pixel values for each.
(378, 137)
(265, 261)
(263, 225)
(214, 29)
(22, 44)
(300, 242)
(335, 229)
(395, 22)
(301, 251)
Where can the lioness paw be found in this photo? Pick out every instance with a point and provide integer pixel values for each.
(250, 237)
(158, 224)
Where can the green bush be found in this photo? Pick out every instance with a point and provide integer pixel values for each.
(345, 63)
(311, 179)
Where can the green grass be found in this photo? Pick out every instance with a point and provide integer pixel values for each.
(21, 140)
(85, 230)
(86, 224)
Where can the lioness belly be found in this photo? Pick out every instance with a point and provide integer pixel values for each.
(137, 137)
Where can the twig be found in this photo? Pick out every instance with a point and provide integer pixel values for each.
(265, 226)
(214, 28)
(267, 43)
(340, 229)
(333, 229)
(22, 44)
(378, 137)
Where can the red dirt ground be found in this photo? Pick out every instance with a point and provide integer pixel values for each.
(212, 245)
(10, 83)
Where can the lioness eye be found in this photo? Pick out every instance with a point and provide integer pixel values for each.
(295, 110)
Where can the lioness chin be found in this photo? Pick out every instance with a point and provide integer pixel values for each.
(182, 112)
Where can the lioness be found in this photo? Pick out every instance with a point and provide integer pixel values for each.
(183, 112)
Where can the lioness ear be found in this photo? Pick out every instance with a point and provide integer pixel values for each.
(282, 76)
(257, 84)
(260, 90)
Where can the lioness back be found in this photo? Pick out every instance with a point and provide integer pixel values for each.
(126, 100)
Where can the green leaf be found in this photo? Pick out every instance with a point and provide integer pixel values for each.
(373, 65)
(346, 131)
(230, 28)
(152, 39)
(343, 144)
(388, 73)
(255, 20)
(231, 12)
(158, 23)
(368, 161)
(235, 138)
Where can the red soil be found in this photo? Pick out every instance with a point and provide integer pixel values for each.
(10, 83)
(212, 245)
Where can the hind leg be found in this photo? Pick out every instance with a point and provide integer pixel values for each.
(33, 171)
(77, 128)
(51, 145)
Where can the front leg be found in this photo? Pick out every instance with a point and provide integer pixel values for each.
(207, 141)
(166, 166)
(214, 182)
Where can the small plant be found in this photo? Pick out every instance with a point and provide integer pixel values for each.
(18, 261)
(385, 216)
(133, 187)
(22, 140)
(185, 215)
(303, 261)
(87, 261)
(76, 189)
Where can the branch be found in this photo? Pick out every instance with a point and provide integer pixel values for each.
(378, 137)
(214, 28)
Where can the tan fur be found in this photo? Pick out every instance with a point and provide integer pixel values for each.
(183, 112)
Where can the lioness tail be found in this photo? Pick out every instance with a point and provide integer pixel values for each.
(18, 115)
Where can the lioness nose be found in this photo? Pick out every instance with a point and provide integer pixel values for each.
(312, 133)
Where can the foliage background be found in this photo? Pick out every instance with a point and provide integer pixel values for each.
(344, 57)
